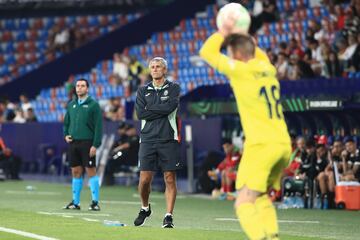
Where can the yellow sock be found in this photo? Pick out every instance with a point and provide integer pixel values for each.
(250, 221)
(267, 213)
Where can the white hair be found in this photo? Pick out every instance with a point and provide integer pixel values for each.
(159, 59)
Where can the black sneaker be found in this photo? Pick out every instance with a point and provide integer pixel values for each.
(168, 222)
(94, 206)
(140, 220)
(72, 205)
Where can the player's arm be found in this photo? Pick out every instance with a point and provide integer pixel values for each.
(66, 123)
(97, 117)
(140, 108)
(169, 106)
(211, 53)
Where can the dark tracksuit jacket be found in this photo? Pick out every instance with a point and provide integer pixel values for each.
(84, 122)
(157, 111)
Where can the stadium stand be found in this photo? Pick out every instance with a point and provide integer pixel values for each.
(179, 46)
(27, 43)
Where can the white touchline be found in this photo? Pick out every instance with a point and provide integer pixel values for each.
(26, 234)
(135, 195)
(91, 220)
(122, 202)
(281, 221)
(75, 214)
(32, 192)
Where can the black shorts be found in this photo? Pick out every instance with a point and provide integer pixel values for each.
(79, 154)
(164, 156)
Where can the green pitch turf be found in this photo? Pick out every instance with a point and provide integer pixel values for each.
(38, 211)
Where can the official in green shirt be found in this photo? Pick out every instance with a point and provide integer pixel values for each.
(83, 133)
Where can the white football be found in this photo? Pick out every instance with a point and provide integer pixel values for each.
(237, 12)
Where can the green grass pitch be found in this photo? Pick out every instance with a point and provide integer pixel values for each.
(39, 211)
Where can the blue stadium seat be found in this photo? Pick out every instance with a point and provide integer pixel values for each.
(93, 21)
(24, 24)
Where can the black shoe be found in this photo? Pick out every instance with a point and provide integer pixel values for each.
(72, 205)
(140, 220)
(168, 222)
(94, 206)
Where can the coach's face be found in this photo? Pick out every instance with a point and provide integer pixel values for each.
(81, 89)
(157, 70)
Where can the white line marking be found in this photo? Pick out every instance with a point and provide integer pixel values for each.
(26, 234)
(123, 202)
(135, 195)
(32, 192)
(75, 214)
(281, 221)
(67, 216)
(91, 220)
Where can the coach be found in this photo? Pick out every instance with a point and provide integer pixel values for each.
(156, 106)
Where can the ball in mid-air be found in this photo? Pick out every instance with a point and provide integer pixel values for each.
(237, 12)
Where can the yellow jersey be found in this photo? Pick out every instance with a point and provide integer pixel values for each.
(256, 89)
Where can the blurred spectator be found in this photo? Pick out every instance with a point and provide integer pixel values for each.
(271, 55)
(339, 17)
(313, 28)
(326, 33)
(9, 162)
(120, 68)
(115, 110)
(295, 163)
(135, 71)
(24, 104)
(351, 161)
(355, 61)
(332, 66)
(283, 48)
(299, 69)
(282, 66)
(30, 116)
(294, 48)
(70, 88)
(3, 110)
(352, 23)
(123, 154)
(320, 165)
(350, 54)
(61, 40)
(226, 170)
(341, 46)
(19, 116)
(315, 54)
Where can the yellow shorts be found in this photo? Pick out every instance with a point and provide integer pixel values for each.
(262, 165)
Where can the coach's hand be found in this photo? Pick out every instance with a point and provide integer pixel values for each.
(68, 139)
(92, 152)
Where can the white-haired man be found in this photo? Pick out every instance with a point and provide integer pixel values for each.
(156, 106)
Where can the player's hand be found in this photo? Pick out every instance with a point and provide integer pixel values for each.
(92, 151)
(68, 139)
(227, 26)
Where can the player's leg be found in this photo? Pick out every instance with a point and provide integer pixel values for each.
(245, 208)
(76, 173)
(265, 206)
(90, 166)
(249, 217)
(278, 159)
(169, 162)
(147, 166)
(94, 185)
(77, 183)
(171, 190)
(145, 186)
